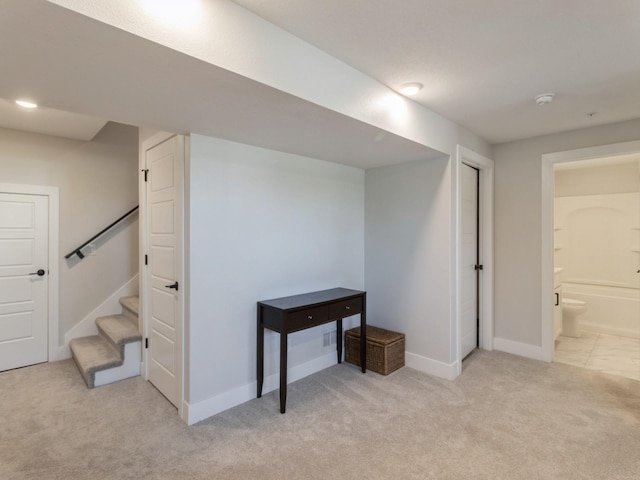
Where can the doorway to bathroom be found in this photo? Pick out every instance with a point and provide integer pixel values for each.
(595, 239)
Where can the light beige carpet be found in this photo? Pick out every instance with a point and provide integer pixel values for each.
(504, 418)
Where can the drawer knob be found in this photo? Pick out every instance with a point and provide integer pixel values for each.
(310, 317)
(348, 307)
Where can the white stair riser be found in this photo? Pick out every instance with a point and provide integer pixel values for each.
(130, 367)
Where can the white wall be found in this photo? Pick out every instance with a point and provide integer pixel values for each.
(518, 213)
(408, 259)
(262, 224)
(98, 184)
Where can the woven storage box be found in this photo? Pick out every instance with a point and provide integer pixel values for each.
(385, 349)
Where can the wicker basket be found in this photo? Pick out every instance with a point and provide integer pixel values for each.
(385, 349)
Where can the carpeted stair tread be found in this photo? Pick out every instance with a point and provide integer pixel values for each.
(118, 329)
(131, 303)
(93, 354)
(106, 351)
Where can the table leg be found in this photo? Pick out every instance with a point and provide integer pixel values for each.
(283, 371)
(339, 339)
(260, 355)
(363, 336)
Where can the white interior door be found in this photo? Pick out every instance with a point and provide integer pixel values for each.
(24, 279)
(164, 270)
(469, 258)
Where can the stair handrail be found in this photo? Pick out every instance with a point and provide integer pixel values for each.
(78, 251)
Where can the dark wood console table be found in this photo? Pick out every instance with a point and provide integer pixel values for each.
(291, 314)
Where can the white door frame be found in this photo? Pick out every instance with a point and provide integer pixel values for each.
(55, 351)
(548, 162)
(485, 236)
(144, 282)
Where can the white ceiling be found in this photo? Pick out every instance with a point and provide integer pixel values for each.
(482, 62)
(49, 121)
(66, 61)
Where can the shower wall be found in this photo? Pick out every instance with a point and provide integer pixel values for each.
(597, 244)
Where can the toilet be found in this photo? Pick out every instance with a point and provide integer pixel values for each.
(571, 310)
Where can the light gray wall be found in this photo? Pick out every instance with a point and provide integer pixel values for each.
(608, 179)
(262, 224)
(407, 254)
(518, 223)
(98, 182)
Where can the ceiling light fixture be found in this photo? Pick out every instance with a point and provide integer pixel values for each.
(544, 98)
(26, 104)
(176, 14)
(410, 89)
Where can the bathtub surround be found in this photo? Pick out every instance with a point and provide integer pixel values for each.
(611, 310)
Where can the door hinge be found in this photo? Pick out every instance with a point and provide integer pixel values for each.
(478, 267)
(146, 259)
(146, 172)
(146, 343)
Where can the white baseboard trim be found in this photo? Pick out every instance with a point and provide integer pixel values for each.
(439, 369)
(193, 413)
(63, 352)
(87, 326)
(526, 350)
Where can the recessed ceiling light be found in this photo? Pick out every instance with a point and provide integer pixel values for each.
(26, 104)
(176, 14)
(410, 89)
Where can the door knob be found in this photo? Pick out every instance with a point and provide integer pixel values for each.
(173, 285)
(40, 273)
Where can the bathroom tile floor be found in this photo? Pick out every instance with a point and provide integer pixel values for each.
(597, 351)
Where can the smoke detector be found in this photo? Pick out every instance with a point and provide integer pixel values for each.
(544, 98)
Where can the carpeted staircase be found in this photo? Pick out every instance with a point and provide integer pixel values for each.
(114, 354)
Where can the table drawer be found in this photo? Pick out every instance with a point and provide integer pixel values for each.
(346, 308)
(307, 318)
